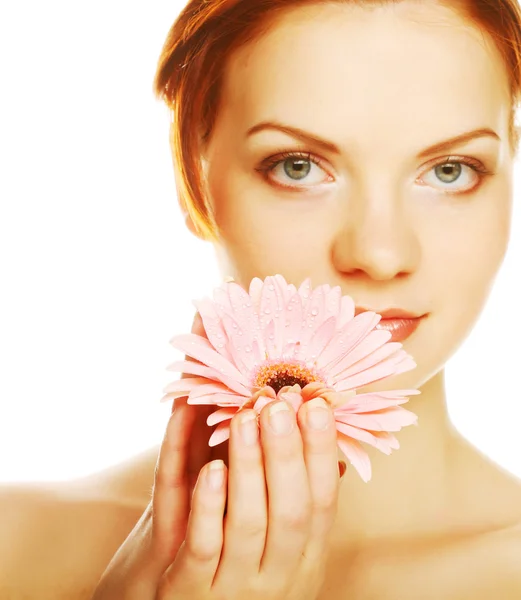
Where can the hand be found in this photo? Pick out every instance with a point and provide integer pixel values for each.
(282, 497)
(261, 549)
(136, 568)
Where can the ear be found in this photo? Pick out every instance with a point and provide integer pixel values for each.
(189, 222)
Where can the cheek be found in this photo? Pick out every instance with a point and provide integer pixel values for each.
(263, 233)
(468, 254)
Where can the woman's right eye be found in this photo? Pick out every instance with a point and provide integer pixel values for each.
(292, 168)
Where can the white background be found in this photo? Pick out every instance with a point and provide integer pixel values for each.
(97, 271)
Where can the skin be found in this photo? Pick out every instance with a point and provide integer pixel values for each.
(438, 519)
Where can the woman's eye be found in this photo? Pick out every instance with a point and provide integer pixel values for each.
(295, 170)
(453, 176)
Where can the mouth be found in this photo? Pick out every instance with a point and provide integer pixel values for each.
(401, 323)
(400, 329)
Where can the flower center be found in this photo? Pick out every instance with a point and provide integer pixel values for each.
(279, 374)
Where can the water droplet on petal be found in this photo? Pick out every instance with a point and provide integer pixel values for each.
(247, 349)
(234, 325)
(271, 288)
(314, 311)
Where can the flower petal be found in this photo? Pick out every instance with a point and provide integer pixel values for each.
(375, 373)
(357, 404)
(363, 435)
(220, 434)
(223, 414)
(333, 303)
(200, 348)
(261, 402)
(392, 393)
(294, 399)
(190, 367)
(356, 455)
(218, 400)
(184, 385)
(293, 324)
(255, 292)
(347, 338)
(347, 311)
(370, 351)
(270, 303)
(212, 325)
(209, 387)
(389, 419)
(238, 341)
(322, 337)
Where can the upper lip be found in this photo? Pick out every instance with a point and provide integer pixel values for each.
(390, 313)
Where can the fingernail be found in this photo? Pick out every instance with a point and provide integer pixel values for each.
(215, 474)
(249, 428)
(280, 419)
(317, 414)
(341, 468)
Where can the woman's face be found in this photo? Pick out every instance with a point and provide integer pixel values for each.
(323, 164)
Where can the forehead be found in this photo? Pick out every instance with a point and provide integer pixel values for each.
(395, 68)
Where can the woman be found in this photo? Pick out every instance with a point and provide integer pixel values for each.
(363, 144)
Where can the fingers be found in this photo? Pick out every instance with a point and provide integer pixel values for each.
(199, 450)
(316, 424)
(246, 517)
(170, 503)
(196, 563)
(289, 502)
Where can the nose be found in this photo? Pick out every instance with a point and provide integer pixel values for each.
(378, 239)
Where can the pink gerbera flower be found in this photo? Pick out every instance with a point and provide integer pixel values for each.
(278, 342)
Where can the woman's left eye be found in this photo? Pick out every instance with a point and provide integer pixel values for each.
(456, 176)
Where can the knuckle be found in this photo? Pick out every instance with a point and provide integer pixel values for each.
(167, 479)
(326, 501)
(295, 520)
(202, 552)
(250, 528)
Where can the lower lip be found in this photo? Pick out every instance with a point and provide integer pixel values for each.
(401, 329)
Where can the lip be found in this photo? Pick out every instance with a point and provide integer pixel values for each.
(401, 323)
(390, 313)
(400, 329)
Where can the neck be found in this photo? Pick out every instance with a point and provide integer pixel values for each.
(411, 491)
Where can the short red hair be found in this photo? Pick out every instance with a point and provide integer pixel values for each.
(190, 67)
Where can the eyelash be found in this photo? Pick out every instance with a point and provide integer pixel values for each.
(269, 164)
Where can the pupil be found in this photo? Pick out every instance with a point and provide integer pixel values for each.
(297, 168)
(449, 172)
(278, 381)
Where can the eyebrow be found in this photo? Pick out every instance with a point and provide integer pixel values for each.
(328, 146)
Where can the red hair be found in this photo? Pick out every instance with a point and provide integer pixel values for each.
(190, 67)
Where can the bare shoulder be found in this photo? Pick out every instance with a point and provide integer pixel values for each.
(57, 539)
